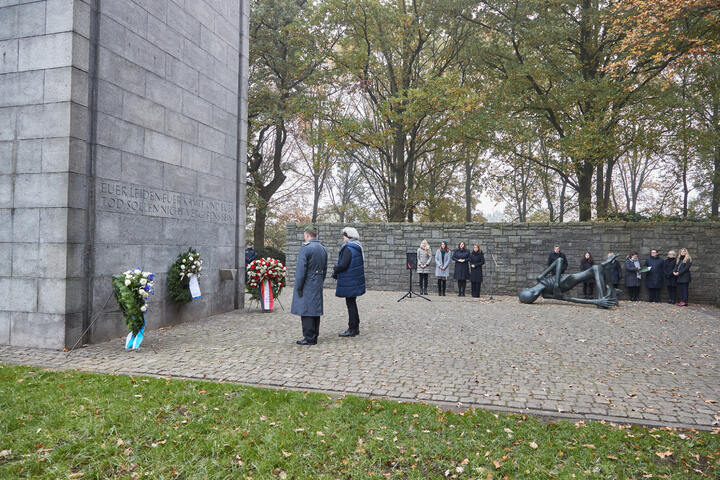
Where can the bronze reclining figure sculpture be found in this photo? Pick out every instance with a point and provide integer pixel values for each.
(554, 286)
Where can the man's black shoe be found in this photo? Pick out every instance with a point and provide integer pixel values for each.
(305, 341)
(349, 333)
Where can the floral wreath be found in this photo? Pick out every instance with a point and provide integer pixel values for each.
(132, 289)
(265, 269)
(186, 266)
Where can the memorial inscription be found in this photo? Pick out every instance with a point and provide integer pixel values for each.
(123, 197)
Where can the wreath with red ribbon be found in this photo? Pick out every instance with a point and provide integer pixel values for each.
(265, 269)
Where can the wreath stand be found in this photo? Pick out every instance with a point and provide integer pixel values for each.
(92, 322)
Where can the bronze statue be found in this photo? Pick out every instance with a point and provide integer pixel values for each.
(554, 286)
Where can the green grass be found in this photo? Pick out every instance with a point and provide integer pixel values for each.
(58, 425)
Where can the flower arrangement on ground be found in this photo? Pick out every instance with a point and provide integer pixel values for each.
(132, 289)
(187, 265)
(265, 280)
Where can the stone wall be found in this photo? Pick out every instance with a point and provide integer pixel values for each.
(516, 252)
(43, 132)
(118, 148)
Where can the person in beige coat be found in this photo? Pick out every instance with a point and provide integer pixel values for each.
(424, 259)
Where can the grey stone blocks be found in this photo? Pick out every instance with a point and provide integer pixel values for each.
(165, 125)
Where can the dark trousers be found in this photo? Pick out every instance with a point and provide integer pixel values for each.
(683, 292)
(475, 288)
(353, 314)
(423, 281)
(672, 293)
(311, 328)
(442, 285)
(588, 289)
(634, 293)
(461, 287)
(654, 295)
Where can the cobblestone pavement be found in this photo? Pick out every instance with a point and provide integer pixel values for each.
(639, 363)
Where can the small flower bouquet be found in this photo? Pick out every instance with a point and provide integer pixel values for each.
(266, 279)
(132, 289)
(186, 266)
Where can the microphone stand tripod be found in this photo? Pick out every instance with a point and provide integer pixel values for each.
(410, 292)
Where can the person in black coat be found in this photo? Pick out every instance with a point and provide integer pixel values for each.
(633, 276)
(654, 276)
(615, 271)
(477, 260)
(462, 272)
(554, 255)
(670, 279)
(682, 275)
(586, 263)
(250, 255)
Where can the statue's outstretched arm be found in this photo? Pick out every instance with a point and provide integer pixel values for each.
(604, 302)
(549, 269)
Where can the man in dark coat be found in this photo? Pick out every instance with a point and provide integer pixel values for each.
(310, 274)
(615, 270)
(350, 275)
(670, 279)
(654, 276)
(554, 255)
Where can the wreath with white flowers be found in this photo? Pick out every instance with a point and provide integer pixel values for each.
(187, 265)
(132, 289)
(265, 269)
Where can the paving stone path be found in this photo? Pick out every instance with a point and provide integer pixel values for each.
(654, 364)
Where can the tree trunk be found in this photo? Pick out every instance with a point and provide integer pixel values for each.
(316, 198)
(715, 201)
(468, 190)
(584, 175)
(686, 189)
(259, 230)
(600, 205)
(397, 186)
(561, 213)
(608, 184)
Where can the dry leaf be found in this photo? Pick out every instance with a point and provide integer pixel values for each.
(664, 454)
(76, 475)
(497, 464)
(533, 445)
(5, 453)
(320, 434)
(588, 445)
(286, 454)
(120, 442)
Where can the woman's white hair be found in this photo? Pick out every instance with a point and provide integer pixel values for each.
(351, 233)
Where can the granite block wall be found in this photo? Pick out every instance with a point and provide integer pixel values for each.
(165, 171)
(43, 129)
(515, 253)
(118, 148)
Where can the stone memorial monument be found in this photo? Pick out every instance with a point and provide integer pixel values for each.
(122, 123)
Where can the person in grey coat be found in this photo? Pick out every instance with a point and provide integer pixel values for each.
(424, 259)
(442, 267)
(310, 274)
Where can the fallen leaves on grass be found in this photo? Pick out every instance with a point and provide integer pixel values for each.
(664, 454)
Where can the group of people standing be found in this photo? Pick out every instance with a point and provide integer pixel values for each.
(310, 275)
(468, 266)
(672, 272)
